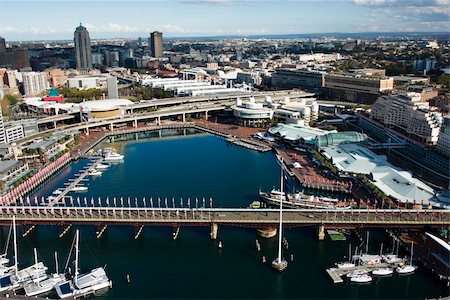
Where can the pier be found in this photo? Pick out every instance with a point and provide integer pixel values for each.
(59, 199)
(337, 274)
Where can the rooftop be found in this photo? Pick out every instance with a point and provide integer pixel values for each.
(6, 165)
(294, 132)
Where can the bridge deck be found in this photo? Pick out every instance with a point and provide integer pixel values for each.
(205, 216)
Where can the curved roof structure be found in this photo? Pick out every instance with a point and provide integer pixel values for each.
(337, 138)
(102, 105)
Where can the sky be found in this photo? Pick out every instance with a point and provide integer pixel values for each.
(57, 19)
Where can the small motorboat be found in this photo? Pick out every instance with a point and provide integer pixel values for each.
(57, 192)
(356, 273)
(79, 188)
(95, 172)
(102, 166)
(345, 265)
(406, 269)
(382, 272)
(364, 278)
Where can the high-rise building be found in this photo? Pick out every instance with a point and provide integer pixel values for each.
(155, 43)
(82, 48)
(34, 83)
(2, 44)
(14, 58)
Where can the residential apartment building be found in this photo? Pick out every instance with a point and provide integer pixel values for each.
(356, 87)
(410, 115)
(443, 144)
(34, 83)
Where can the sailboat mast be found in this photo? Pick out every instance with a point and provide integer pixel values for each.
(367, 243)
(76, 256)
(35, 262)
(281, 217)
(15, 246)
(349, 252)
(56, 263)
(412, 247)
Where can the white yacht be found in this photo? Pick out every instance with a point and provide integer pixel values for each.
(57, 192)
(356, 273)
(84, 284)
(361, 278)
(79, 188)
(95, 172)
(102, 167)
(113, 156)
(392, 259)
(44, 286)
(35, 272)
(383, 272)
(347, 264)
(407, 268)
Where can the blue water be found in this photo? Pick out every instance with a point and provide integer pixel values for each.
(193, 266)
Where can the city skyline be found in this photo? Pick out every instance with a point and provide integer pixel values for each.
(219, 17)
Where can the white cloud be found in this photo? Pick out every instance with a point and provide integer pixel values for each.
(111, 28)
(172, 28)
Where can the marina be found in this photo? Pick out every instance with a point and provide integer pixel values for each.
(192, 243)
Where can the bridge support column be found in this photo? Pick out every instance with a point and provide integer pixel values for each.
(214, 231)
(111, 127)
(184, 118)
(135, 123)
(54, 124)
(87, 131)
(321, 234)
(158, 121)
(206, 115)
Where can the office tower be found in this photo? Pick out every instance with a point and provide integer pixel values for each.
(155, 43)
(82, 48)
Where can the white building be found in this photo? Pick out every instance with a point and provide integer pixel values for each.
(251, 113)
(443, 143)
(13, 133)
(34, 83)
(409, 114)
(85, 82)
(297, 111)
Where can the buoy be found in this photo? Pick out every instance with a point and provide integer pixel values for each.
(292, 257)
(220, 245)
(128, 278)
(264, 259)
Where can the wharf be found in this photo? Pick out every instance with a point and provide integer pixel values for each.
(59, 198)
(337, 274)
(307, 175)
(248, 144)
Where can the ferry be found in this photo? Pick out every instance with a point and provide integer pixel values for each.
(300, 200)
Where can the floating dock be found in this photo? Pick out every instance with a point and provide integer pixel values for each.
(337, 274)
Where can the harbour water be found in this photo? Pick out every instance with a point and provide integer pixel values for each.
(192, 266)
